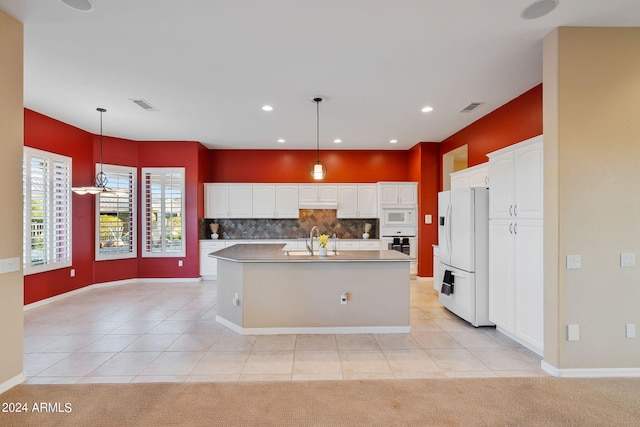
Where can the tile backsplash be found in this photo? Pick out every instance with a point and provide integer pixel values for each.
(325, 219)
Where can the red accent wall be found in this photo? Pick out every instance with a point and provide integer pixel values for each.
(281, 166)
(175, 154)
(424, 167)
(517, 120)
(51, 135)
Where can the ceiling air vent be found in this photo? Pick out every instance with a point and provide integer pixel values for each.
(469, 108)
(144, 104)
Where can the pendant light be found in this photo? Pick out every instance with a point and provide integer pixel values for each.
(317, 169)
(101, 178)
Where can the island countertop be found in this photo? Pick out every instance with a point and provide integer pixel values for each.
(275, 252)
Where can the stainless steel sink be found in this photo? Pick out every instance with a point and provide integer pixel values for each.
(306, 253)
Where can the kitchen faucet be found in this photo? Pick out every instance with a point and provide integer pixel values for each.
(310, 248)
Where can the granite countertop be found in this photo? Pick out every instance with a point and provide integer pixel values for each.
(274, 252)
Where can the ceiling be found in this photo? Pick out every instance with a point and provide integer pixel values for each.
(208, 66)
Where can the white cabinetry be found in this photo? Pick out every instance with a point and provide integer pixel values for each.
(516, 181)
(275, 201)
(209, 265)
(228, 200)
(357, 201)
(398, 193)
(515, 243)
(475, 176)
(317, 193)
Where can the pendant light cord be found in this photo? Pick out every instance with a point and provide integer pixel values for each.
(101, 177)
(102, 110)
(318, 126)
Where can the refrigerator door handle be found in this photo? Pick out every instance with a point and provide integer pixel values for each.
(448, 229)
(453, 273)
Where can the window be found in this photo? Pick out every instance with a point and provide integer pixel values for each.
(46, 190)
(116, 215)
(163, 203)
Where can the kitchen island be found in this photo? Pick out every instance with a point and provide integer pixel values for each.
(263, 289)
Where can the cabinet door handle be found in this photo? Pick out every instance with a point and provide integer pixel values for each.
(510, 210)
(515, 210)
(515, 228)
(510, 228)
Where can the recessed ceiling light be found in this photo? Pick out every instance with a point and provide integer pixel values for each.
(337, 140)
(539, 9)
(81, 5)
(393, 141)
(281, 141)
(427, 109)
(267, 108)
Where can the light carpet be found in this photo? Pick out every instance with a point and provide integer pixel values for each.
(540, 401)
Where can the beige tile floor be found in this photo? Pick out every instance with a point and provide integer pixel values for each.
(167, 332)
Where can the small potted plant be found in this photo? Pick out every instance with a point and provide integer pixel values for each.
(323, 239)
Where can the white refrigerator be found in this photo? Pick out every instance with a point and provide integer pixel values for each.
(463, 245)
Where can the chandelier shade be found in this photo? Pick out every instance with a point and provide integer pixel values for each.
(101, 180)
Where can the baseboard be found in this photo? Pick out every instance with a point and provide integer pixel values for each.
(537, 350)
(423, 279)
(106, 285)
(170, 280)
(589, 372)
(314, 330)
(18, 379)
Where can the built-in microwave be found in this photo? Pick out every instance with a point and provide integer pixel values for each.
(394, 217)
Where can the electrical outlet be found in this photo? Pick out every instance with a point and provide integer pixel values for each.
(627, 259)
(631, 330)
(72, 272)
(574, 261)
(344, 298)
(573, 332)
(428, 219)
(179, 263)
(236, 299)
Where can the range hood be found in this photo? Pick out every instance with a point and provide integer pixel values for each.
(318, 205)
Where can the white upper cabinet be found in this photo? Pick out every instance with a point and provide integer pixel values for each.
(287, 201)
(516, 181)
(347, 201)
(398, 193)
(264, 201)
(318, 194)
(216, 199)
(367, 201)
(475, 176)
(357, 201)
(228, 200)
(240, 201)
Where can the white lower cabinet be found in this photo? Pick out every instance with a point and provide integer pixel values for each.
(209, 265)
(516, 303)
(369, 245)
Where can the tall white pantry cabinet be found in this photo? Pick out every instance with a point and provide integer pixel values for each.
(515, 242)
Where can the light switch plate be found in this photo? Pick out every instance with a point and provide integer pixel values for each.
(428, 219)
(627, 259)
(9, 265)
(574, 261)
(573, 332)
(630, 330)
